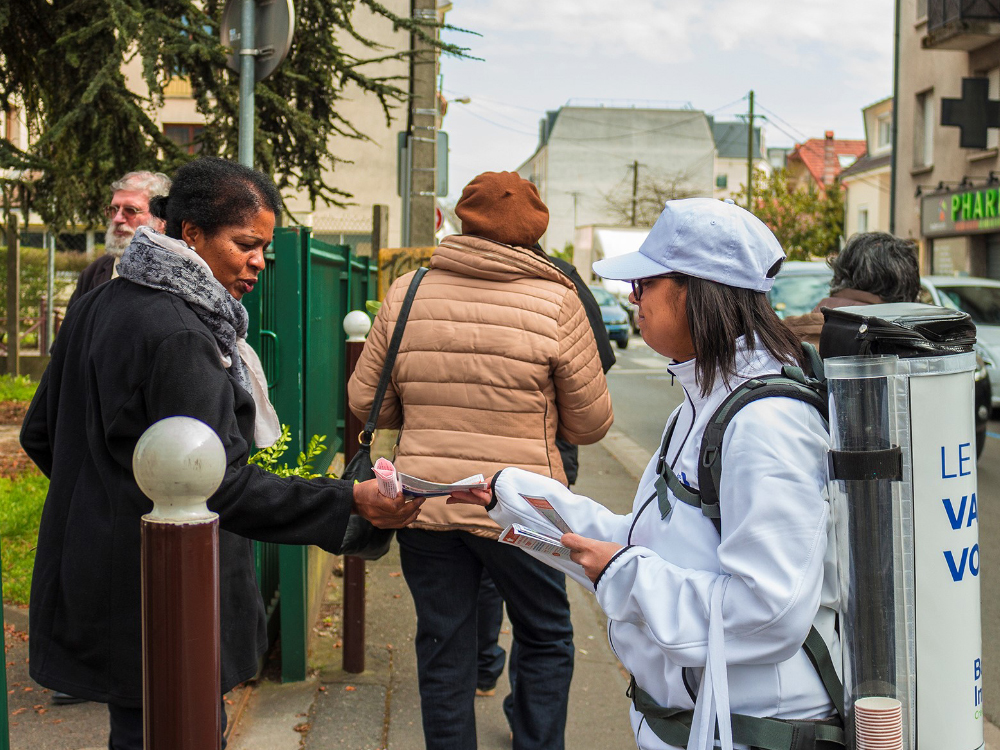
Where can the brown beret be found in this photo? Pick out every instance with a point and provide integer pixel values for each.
(503, 207)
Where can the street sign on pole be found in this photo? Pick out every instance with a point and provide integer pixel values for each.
(258, 34)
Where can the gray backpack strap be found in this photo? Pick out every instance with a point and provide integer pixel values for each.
(665, 478)
(673, 726)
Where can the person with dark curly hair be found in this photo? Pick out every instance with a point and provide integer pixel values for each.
(874, 267)
(166, 338)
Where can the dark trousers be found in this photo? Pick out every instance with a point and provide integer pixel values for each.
(126, 727)
(443, 570)
(490, 656)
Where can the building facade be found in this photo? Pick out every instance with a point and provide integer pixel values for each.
(818, 162)
(945, 196)
(589, 158)
(868, 181)
(731, 157)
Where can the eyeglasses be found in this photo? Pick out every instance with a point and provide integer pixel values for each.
(130, 212)
(639, 285)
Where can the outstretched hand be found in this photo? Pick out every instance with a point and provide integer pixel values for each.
(593, 555)
(384, 512)
(470, 497)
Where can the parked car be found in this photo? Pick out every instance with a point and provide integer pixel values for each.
(614, 315)
(980, 298)
(800, 286)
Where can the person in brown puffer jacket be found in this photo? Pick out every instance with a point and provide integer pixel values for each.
(874, 267)
(498, 358)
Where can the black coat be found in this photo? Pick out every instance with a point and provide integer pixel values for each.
(126, 357)
(95, 274)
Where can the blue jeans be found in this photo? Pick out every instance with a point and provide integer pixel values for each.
(443, 570)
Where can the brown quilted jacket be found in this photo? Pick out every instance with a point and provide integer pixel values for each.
(496, 358)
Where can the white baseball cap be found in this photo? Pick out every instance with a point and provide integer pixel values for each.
(703, 237)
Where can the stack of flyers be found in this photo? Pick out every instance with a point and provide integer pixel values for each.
(543, 506)
(388, 481)
(522, 536)
(422, 488)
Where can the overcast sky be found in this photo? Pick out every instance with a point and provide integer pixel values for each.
(812, 64)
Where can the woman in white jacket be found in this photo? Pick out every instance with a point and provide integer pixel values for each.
(710, 618)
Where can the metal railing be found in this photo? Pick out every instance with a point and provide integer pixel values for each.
(296, 313)
(941, 13)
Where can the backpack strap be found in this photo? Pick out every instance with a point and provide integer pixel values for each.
(673, 726)
(791, 383)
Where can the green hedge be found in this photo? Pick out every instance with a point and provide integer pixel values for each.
(21, 500)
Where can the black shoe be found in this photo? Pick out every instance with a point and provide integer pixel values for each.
(65, 699)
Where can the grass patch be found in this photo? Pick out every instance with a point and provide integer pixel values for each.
(19, 388)
(21, 500)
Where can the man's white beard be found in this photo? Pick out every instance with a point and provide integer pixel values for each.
(114, 244)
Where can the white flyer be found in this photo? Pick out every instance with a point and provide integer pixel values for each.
(522, 536)
(422, 488)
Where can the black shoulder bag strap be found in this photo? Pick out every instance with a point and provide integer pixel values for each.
(365, 438)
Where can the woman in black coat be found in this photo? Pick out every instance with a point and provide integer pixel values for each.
(165, 339)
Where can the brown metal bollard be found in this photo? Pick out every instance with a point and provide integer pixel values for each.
(179, 463)
(357, 325)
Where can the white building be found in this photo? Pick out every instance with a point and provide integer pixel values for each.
(586, 158)
(731, 157)
(868, 181)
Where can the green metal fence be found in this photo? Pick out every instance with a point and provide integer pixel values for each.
(296, 324)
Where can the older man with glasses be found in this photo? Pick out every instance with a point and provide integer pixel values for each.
(128, 211)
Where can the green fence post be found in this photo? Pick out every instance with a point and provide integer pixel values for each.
(4, 726)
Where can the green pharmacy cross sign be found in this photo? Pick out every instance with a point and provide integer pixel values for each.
(975, 211)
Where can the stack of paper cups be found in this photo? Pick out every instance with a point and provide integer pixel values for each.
(878, 724)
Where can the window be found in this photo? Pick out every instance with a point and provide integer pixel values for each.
(721, 181)
(883, 131)
(863, 219)
(921, 9)
(923, 130)
(185, 135)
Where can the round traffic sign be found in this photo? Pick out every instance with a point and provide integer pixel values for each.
(273, 30)
(438, 218)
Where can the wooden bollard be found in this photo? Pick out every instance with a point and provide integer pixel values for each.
(356, 325)
(179, 463)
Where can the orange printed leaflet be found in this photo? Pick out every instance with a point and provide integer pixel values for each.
(523, 537)
(550, 514)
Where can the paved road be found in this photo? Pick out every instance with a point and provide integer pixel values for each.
(643, 397)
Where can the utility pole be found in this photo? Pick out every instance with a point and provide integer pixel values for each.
(421, 138)
(750, 154)
(635, 187)
(248, 62)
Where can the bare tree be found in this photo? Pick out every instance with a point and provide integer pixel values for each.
(642, 206)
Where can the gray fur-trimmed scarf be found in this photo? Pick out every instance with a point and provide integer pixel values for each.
(152, 261)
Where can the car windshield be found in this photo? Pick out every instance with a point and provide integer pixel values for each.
(798, 294)
(604, 297)
(981, 302)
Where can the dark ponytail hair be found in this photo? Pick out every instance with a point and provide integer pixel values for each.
(718, 315)
(212, 193)
(158, 206)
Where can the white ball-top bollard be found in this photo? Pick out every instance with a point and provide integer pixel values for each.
(179, 463)
(356, 325)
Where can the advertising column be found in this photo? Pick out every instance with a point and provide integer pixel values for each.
(946, 544)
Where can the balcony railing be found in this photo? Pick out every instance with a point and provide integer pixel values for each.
(962, 24)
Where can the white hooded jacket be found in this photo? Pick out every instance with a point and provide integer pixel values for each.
(776, 561)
